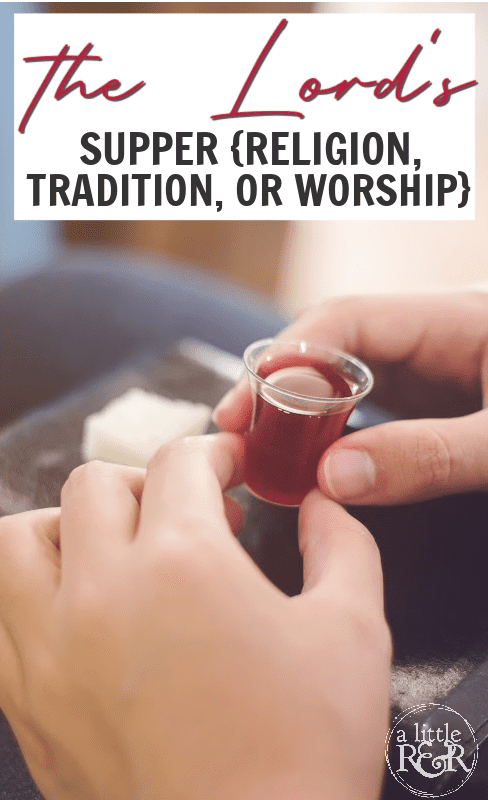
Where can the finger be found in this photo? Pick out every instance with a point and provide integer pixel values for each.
(433, 326)
(234, 514)
(99, 514)
(440, 340)
(10, 672)
(233, 413)
(185, 481)
(403, 462)
(340, 557)
(29, 573)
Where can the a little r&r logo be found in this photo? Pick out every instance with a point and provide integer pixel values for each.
(431, 750)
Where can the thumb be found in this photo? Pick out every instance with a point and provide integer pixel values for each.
(341, 560)
(404, 462)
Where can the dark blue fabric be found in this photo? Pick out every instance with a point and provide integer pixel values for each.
(72, 322)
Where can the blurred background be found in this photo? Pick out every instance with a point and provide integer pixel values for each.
(293, 263)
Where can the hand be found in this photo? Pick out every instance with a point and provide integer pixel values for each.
(429, 356)
(149, 658)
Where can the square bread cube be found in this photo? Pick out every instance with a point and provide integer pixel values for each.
(130, 429)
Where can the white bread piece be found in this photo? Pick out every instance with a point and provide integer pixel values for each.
(130, 429)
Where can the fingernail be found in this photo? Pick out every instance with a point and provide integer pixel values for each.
(222, 405)
(349, 474)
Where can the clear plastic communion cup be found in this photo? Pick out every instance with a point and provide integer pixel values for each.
(302, 395)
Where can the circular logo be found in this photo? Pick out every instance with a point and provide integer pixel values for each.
(431, 750)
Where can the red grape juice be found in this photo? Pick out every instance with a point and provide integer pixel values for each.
(284, 445)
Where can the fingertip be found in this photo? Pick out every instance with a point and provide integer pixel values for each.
(225, 451)
(347, 474)
(313, 518)
(314, 529)
(233, 412)
(234, 442)
(190, 473)
(234, 514)
(333, 542)
(226, 419)
(317, 507)
(325, 518)
(222, 408)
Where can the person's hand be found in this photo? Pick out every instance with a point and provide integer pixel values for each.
(429, 357)
(144, 655)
